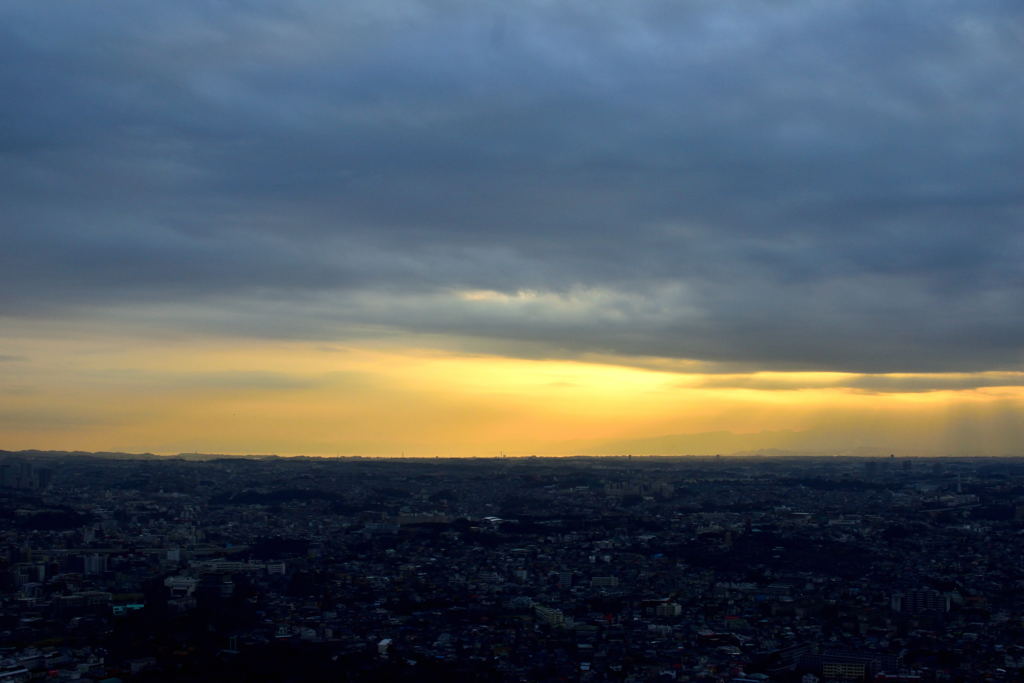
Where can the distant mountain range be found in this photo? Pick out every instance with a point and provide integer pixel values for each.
(782, 442)
(767, 443)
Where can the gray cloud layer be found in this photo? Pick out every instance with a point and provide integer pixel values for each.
(805, 184)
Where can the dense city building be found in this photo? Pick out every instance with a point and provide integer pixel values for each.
(146, 568)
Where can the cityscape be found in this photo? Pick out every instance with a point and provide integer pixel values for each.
(547, 340)
(691, 568)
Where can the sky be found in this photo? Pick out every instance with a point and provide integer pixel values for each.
(465, 227)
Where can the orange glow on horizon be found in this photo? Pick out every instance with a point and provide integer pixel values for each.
(219, 395)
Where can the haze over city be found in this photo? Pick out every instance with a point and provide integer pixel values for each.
(472, 228)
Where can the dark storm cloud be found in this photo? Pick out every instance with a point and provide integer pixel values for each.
(790, 185)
